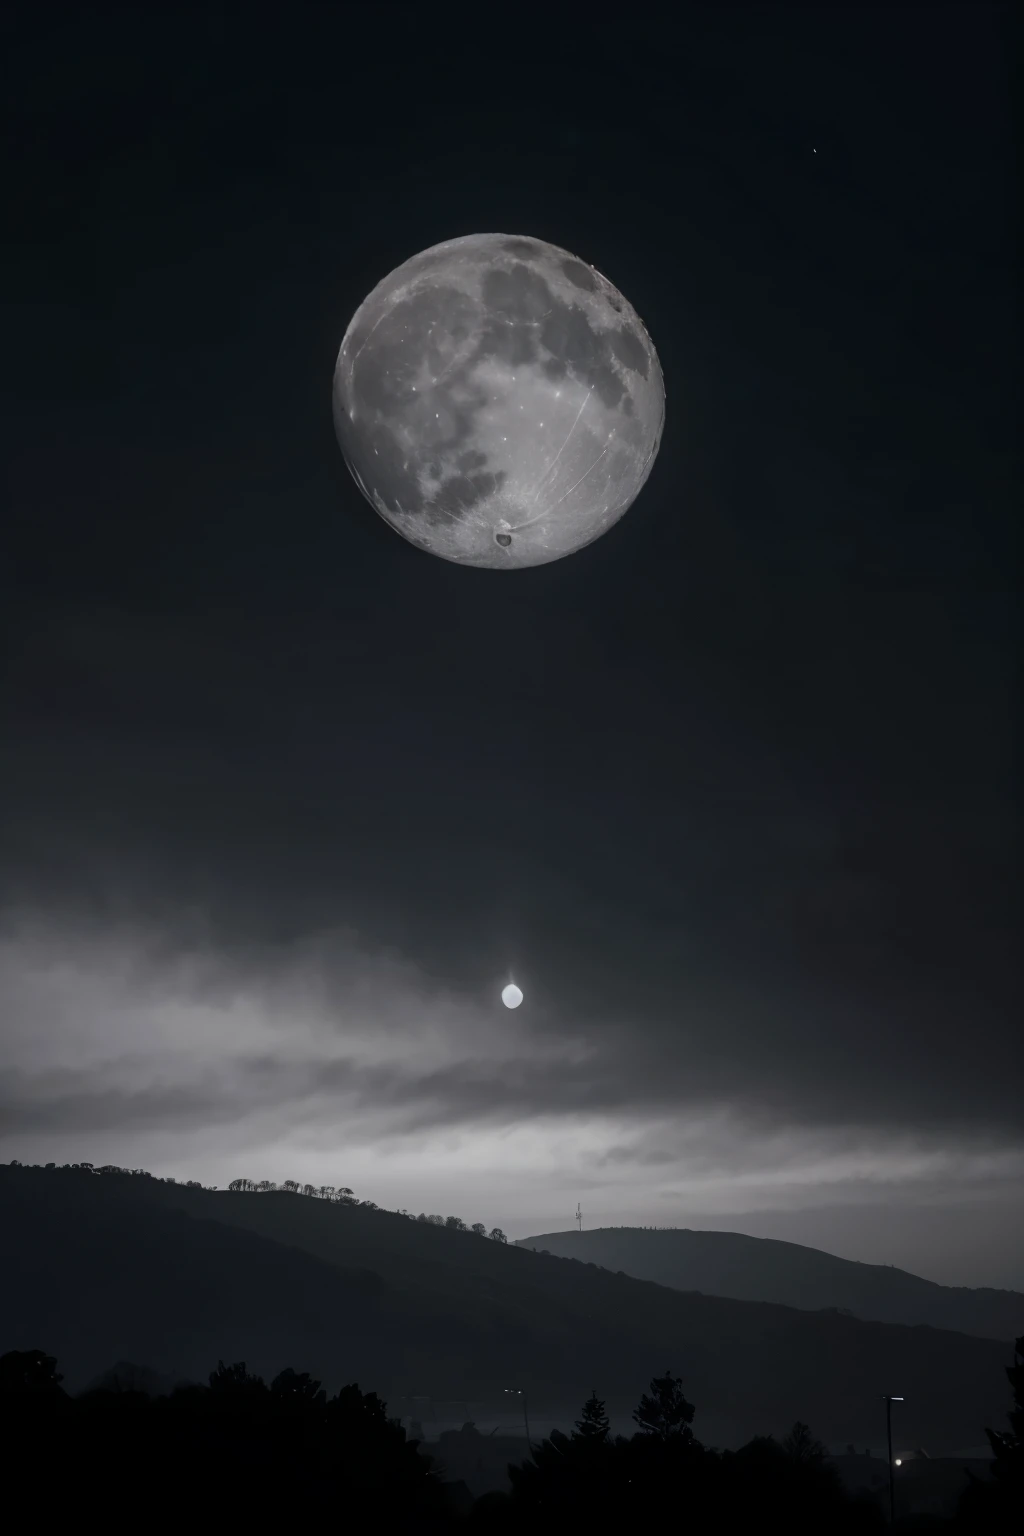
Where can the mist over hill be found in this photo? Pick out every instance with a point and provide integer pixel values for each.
(118, 1267)
(764, 1269)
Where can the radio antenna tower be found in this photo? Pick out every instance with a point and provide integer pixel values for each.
(579, 1216)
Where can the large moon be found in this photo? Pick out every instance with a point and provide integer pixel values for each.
(498, 401)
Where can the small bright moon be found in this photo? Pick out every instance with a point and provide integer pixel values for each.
(511, 996)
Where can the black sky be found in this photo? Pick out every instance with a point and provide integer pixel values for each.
(732, 789)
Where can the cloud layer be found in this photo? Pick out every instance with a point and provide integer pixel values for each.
(328, 1062)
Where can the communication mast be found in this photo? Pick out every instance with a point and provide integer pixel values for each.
(579, 1216)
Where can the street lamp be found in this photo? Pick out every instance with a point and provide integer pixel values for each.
(518, 1392)
(888, 1435)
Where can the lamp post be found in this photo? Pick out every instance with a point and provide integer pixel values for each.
(518, 1392)
(888, 1436)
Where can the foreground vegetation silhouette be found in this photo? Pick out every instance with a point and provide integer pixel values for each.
(240, 1450)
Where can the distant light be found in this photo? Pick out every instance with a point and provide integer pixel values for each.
(511, 996)
(898, 1462)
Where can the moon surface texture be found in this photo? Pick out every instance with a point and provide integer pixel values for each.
(498, 401)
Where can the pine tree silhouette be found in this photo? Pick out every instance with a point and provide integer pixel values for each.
(1008, 1444)
(997, 1504)
(593, 1426)
(664, 1413)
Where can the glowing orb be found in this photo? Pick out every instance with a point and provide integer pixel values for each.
(511, 996)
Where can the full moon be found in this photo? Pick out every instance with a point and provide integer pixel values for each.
(511, 996)
(498, 401)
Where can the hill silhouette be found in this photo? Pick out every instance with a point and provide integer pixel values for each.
(120, 1267)
(764, 1269)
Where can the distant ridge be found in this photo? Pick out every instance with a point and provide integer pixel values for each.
(123, 1267)
(765, 1269)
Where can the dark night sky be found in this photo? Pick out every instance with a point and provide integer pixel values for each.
(282, 799)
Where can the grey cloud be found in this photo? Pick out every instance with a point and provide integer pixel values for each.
(30, 1105)
(404, 1099)
(728, 931)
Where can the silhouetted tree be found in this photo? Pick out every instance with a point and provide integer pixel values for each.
(242, 1454)
(33, 1405)
(455, 1223)
(594, 1425)
(235, 1378)
(376, 1455)
(582, 1481)
(664, 1412)
(801, 1445)
(254, 1456)
(997, 1505)
(29, 1372)
(1008, 1445)
(291, 1185)
(498, 1235)
(479, 1228)
(297, 1387)
(803, 1492)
